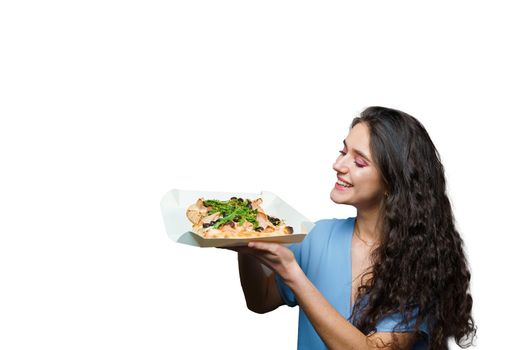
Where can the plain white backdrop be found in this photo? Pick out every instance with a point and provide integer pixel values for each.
(107, 105)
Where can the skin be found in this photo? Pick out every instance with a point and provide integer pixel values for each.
(368, 190)
(355, 165)
(366, 196)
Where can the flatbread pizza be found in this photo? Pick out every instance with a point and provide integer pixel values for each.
(234, 218)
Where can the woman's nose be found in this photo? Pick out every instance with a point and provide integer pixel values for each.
(340, 167)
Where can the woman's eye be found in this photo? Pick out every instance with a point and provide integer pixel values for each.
(359, 165)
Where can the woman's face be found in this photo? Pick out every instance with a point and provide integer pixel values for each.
(355, 166)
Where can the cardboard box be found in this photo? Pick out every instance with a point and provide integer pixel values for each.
(175, 203)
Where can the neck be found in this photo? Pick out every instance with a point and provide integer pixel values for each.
(368, 225)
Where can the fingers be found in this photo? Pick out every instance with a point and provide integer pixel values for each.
(255, 248)
(270, 247)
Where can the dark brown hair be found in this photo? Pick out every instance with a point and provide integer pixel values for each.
(420, 261)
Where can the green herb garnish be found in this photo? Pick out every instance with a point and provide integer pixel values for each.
(234, 209)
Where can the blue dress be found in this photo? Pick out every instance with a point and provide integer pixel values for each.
(325, 257)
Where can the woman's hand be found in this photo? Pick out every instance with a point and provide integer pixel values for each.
(274, 255)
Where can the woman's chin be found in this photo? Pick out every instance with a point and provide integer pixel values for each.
(338, 197)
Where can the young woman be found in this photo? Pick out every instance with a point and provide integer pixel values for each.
(393, 277)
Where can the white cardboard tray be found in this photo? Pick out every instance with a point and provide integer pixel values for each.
(175, 203)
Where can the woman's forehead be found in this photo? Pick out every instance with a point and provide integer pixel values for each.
(358, 138)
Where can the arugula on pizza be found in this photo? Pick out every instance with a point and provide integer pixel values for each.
(234, 218)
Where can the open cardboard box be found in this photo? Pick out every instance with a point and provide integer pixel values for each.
(175, 203)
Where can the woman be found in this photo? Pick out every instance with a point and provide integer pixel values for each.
(393, 277)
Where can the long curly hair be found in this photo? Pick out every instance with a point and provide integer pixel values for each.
(420, 261)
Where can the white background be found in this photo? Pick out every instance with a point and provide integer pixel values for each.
(107, 105)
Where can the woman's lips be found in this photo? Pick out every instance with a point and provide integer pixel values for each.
(343, 181)
(342, 188)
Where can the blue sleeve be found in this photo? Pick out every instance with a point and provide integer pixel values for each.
(389, 323)
(301, 251)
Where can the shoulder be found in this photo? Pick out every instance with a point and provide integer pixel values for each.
(334, 223)
(325, 229)
(321, 242)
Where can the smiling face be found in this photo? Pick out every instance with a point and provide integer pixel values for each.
(355, 166)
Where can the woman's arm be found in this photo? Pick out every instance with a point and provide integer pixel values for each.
(335, 331)
(260, 290)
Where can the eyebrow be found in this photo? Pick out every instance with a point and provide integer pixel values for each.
(358, 152)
